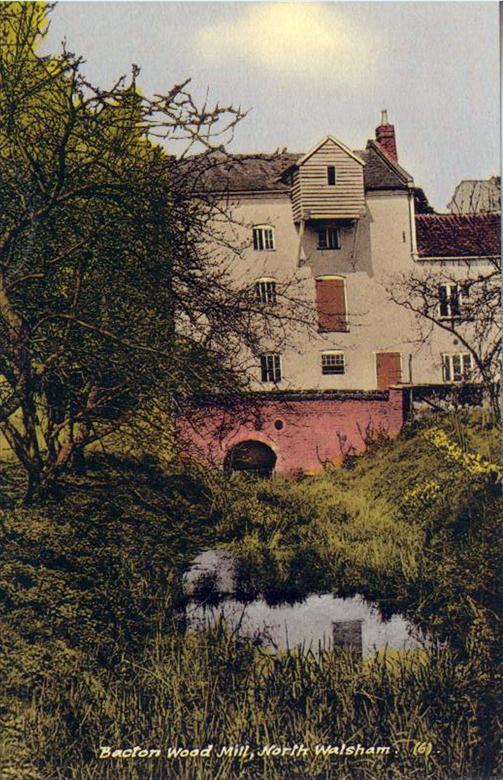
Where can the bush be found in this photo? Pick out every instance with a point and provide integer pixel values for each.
(91, 651)
(95, 571)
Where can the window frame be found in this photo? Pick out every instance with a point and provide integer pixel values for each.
(448, 369)
(263, 238)
(453, 298)
(265, 289)
(335, 353)
(273, 373)
(328, 231)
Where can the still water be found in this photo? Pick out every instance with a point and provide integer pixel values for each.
(317, 620)
(308, 623)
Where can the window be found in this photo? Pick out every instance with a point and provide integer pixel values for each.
(263, 238)
(265, 290)
(449, 296)
(271, 367)
(457, 367)
(331, 175)
(332, 363)
(329, 238)
(331, 304)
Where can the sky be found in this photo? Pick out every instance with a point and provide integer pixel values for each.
(304, 70)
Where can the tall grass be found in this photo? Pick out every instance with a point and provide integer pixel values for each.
(201, 689)
(91, 656)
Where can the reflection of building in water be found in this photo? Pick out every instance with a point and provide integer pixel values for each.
(318, 622)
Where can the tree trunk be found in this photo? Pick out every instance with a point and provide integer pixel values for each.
(32, 487)
(79, 461)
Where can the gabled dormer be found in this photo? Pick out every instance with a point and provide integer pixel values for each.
(327, 183)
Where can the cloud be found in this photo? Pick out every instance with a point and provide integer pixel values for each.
(297, 38)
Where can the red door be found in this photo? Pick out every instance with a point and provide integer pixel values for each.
(331, 305)
(388, 369)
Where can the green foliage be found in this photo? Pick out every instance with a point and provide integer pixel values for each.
(94, 572)
(105, 241)
(412, 525)
(93, 654)
(204, 689)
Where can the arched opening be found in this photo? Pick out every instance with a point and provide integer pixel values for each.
(251, 457)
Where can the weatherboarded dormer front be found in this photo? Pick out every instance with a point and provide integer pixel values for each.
(327, 183)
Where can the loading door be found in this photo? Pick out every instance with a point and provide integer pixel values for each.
(388, 369)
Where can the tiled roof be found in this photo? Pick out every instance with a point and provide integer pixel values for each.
(248, 172)
(262, 172)
(381, 172)
(457, 235)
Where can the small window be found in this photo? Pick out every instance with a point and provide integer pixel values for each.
(457, 367)
(329, 238)
(331, 175)
(333, 363)
(271, 367)
(263, 238)
(449, 296)
(265, 291)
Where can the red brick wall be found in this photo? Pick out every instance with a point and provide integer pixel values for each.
(315, 431)
(385, 137)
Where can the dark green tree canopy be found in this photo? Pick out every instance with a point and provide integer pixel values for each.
(115, 292)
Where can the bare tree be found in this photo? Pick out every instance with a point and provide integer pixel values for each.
(473, 196)
(115, 293)
(461, 296)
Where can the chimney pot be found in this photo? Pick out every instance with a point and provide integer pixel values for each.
(385, 136)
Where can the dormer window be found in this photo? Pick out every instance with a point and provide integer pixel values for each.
(263, 238)
(329, 238)
(265, 290)
(331, 175)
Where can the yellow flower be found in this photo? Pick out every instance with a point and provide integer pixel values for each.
(470, 461)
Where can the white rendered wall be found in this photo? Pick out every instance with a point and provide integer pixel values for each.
(380, 249)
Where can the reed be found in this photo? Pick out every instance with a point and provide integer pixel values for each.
(195, 690)
(92, 655)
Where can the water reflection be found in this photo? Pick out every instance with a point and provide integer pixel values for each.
(316, 620)
(319, 620)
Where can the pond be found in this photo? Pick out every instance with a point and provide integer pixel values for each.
(320, 620)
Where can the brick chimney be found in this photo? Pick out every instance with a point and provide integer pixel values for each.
(385, 136)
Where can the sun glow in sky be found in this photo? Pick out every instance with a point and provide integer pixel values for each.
(305, 70)
(293, 38)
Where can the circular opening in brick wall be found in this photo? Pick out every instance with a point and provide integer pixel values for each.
(279, 425)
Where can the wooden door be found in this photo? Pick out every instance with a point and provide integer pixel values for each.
(331, 304)
(388, 369)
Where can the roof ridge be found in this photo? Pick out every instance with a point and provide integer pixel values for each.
(249, 172)
(393, 164)
(464, 215)
(322, 143)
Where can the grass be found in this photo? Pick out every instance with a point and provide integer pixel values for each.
(92, 654)
(209, 689)
(362, 529)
